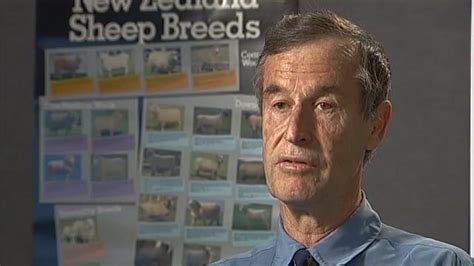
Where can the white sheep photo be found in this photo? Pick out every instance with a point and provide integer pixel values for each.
(107, 123)
(162, 60)
(115, 63)
(164, 117)
(209, 166)
(212, 121)
(78, 230)
(62, 167)
(210, 58)
(154, 208)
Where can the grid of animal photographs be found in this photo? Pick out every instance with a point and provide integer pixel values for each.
(88, 153)
(222, 193)
(190, 67)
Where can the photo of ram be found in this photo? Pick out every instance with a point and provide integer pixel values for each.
(252, 217)
(194, 255)
(250, 173)
(154, 208)
(160, 61)
(204, 212)
(212, 121)
(109, 167)
(161, 163)
(106, 123)
(153, 252)
(78, 230)
(114, 63)
(251, 125)
(67, 65)
(162, 117)
(62, 123)
(210, 58)
(209, 166)
(62, 167)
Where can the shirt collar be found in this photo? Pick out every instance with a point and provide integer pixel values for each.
(341, 245)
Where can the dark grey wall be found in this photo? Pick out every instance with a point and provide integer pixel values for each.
(16, 127)
(419, 180)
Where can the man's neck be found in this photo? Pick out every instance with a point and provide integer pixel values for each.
(309, 226)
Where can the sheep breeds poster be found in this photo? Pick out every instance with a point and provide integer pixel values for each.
(133, 110)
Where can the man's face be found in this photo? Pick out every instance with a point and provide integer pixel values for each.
(314, 133)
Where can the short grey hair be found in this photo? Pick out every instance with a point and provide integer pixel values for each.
(295, 30)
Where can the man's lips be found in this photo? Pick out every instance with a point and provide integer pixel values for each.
(294, 163)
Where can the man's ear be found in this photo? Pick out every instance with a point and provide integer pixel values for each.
(379, 124)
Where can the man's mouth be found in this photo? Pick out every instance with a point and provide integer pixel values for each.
(293, 163)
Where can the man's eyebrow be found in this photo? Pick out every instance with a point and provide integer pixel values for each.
(317, 90)
(272, 89)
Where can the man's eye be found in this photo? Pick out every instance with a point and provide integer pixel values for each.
(280, 106)
(324, 106)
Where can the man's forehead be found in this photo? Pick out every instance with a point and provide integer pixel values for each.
(324, 55)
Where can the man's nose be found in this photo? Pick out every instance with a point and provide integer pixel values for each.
(300, 126)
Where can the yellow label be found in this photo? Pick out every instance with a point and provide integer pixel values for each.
(73, 86)
(122, 84)
(166, 82)
(209, 81)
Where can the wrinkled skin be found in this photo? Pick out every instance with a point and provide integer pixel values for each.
(314, 131)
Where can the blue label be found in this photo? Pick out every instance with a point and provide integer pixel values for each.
(162, 184)
(215, 143)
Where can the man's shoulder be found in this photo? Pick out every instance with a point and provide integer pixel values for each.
(416, 248)
(254, 256)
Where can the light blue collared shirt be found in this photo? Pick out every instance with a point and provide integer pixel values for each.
(362, 240)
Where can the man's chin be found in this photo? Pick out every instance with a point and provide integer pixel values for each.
(294, 201)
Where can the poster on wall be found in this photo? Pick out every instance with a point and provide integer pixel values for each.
(202, 183)
(88, 150)
(89, 49)
(127, 91)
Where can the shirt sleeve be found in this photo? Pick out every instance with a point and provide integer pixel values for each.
(437, 256)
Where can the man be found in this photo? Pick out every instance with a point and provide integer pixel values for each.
(322, 85)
